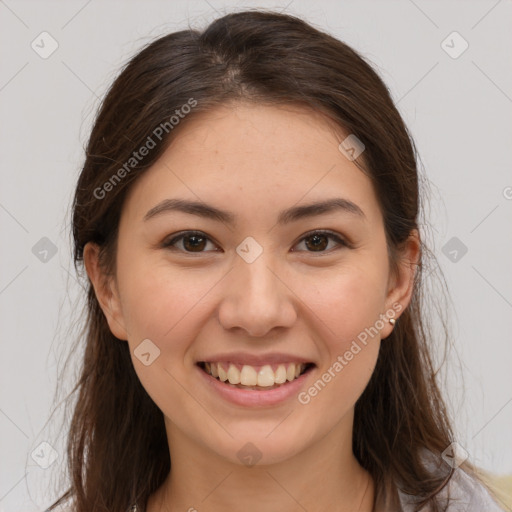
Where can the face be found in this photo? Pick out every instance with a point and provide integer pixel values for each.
(267, 289)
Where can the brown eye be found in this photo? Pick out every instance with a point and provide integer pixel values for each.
(191, 242)
(196, 242)
(318, 241)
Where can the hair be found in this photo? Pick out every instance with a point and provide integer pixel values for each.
(264, 58)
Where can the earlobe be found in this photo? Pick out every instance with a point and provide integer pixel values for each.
(105, 291)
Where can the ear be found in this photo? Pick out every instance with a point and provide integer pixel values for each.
(401, 280)
(105, 290)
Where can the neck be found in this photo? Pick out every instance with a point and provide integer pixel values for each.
(325, 476)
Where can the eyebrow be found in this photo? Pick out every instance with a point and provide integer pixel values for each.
(287, 216)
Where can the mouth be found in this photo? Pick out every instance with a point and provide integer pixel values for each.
(256, 378)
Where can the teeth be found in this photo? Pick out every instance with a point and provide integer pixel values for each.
(223, 376)
(233, 374)
(280, 376)
(266, 377)
(248, 376)
(290, 372)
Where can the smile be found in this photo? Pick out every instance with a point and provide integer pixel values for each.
(262, 377)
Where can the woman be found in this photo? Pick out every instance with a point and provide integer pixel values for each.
(247, 215)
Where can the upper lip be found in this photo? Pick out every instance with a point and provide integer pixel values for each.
(254, 359)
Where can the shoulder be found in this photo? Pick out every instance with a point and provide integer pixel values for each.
(69, 508)
(469, 495)
(464, 493)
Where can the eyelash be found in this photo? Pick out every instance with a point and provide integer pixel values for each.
(333, 236)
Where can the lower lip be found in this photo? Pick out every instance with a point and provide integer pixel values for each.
(254, 398)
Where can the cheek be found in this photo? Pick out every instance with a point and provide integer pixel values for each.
(167, 307)
(350, 341)
(159, 301)
(348, 303)
(348, 306)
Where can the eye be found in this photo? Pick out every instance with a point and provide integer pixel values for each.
(196, 242)
(190, 241)
(318, 241)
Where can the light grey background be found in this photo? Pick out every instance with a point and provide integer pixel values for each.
(458, 111)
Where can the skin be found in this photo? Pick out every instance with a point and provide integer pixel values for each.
(255, 161)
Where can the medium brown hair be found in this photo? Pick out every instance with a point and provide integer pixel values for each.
(267, 58)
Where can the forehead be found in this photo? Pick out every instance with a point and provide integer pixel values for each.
(251, 156)
(274, 135)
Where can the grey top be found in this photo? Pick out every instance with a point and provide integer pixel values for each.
(466, 495)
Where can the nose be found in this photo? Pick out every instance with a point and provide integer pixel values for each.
(257, 298)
